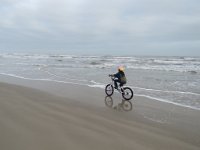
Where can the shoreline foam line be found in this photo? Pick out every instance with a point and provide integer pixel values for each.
(166, 101)
(49, 80)
(180, 92)
(139, 95)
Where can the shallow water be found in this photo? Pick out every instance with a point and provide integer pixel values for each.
(168, 79)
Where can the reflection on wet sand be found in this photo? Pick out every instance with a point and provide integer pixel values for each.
(123, 105)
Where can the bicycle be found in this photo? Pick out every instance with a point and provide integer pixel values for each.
(127, 92)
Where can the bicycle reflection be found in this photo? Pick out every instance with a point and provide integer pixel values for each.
(124, 105)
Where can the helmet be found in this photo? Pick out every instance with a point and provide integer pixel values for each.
(120, 68)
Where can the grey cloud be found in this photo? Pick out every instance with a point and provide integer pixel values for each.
(100, 24)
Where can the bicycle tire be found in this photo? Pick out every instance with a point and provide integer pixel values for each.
(109, 89)
(128, 93)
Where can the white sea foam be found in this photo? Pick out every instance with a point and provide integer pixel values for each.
(181, 73)
(38, 79)
(155, 90)
(167, 101)
(102, 86)
(97, 86)
(147, 63)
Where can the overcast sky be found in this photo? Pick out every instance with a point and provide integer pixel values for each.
(121, 27)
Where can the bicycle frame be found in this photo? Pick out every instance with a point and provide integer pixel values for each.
(126, 92)
(112, 83)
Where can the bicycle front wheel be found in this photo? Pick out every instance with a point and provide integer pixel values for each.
(127, 93)
(109, 89)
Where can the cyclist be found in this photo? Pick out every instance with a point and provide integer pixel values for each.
(119, 77)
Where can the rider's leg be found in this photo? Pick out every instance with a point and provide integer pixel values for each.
(121, 86)
(115, 82)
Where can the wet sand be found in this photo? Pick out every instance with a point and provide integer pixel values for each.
(76, 117)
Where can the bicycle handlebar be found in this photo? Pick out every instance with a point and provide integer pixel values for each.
(111, 76)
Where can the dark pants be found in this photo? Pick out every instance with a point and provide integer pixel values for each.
(116, 81)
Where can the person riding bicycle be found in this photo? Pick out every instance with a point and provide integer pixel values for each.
(119, 77)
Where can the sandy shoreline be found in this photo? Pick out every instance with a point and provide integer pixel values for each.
(32, 119)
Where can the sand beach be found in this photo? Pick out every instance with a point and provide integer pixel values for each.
(41, 119)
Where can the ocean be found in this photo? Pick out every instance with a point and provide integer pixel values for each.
(173, 80)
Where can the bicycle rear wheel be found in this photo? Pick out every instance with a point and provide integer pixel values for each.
(127, 93)
(109, 89)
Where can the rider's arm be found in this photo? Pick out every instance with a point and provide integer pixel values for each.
(111, 75)
(117, 75)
